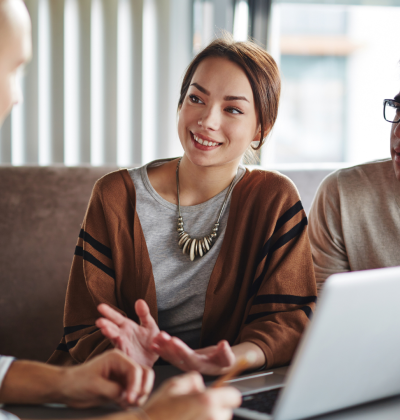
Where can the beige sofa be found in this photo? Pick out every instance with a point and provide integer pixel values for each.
(41, 209)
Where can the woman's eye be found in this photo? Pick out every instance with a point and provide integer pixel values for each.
(234, 111)
(195, 99)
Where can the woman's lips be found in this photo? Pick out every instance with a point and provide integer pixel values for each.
(203, 144)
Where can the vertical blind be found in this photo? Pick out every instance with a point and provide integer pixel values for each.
(103, 83)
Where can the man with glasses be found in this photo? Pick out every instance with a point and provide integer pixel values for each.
(354, 221)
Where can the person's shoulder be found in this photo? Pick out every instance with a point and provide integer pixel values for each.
(268, 182)
(372, 168)
(113, 183)
(358, 175)
(267, 191)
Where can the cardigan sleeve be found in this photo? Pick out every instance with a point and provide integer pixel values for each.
(283, 292)
(326, 233)
(91, 282)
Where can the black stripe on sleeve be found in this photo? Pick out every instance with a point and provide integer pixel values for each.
(70, 330)
(98, 246)
(288, 299)
(93, 260)
(264, 250)
(62, 347)
(288, 236)
(71, 344)
(281, 221)
(283, 240)
(288, 215)
(253, 317)
(307, 310)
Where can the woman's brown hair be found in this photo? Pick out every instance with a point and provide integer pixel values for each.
(260, 68)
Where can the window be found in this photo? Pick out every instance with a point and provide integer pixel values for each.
(338, 62)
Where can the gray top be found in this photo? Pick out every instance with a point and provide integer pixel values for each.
(181, 284)
(354, 222)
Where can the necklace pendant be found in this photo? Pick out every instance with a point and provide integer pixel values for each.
(197, 247)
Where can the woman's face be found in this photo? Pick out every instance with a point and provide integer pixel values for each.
(15, 51)
(217, 120)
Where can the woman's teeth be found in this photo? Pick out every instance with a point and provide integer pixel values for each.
(205, 142)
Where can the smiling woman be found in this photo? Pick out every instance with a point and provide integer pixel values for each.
(15, 49)
(197, 260)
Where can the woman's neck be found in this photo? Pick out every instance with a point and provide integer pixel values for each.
(198, 183)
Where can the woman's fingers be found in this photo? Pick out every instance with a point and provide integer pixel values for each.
(224, 354)
(143, 312)
(178, 353)
(163, 345)
(213, 360)
(186, 358)
(111, 314)
(108, 328)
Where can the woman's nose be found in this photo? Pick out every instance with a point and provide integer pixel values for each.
(211, 119)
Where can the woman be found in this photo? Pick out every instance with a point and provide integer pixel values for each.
(213, 254)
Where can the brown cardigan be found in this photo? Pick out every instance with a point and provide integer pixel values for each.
(262, 289)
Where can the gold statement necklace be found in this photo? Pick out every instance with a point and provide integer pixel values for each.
(197, 247)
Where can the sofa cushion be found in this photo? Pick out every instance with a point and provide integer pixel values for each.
(41, 210)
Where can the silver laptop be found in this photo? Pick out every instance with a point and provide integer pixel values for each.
(349, 354)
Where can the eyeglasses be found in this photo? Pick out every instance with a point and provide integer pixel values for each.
(391, 110)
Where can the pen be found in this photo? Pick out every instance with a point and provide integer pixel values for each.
(241, 365)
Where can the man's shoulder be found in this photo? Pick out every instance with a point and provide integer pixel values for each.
(374, 173)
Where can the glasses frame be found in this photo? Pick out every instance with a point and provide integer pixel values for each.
(389, 102)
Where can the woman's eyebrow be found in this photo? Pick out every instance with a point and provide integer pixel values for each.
(201, 89)
(236, 98)
(226, 98)
(397, 98)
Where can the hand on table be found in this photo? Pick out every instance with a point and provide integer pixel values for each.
(213, 360)
(185, 398)
(132, 339)
(112, 376)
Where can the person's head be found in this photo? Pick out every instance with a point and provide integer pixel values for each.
(392, 114)
(15, 51)
(229, 97)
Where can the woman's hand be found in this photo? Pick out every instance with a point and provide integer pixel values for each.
(213, 360)
(132, 339)
(185, 398)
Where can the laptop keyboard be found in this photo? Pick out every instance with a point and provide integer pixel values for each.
(262, 401)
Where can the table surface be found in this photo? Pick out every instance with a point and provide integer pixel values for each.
(388, 409)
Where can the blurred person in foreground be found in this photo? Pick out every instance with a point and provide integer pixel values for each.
(354, 221)
(111, 376)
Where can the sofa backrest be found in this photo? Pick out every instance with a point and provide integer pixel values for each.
(41, 211)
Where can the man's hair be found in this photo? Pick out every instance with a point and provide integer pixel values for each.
(260, 68)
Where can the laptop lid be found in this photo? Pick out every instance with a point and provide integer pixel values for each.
(350, 354)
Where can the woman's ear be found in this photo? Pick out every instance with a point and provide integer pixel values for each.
(258, 138)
